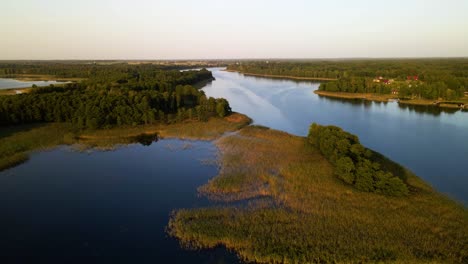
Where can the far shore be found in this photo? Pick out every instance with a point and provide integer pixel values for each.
(388, 97)
(284, 76)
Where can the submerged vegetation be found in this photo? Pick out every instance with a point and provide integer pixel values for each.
(299, 212)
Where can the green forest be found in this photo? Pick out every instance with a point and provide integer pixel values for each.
(415, 78)
(110, 95)
(354, 164)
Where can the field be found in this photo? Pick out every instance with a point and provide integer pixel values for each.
(284, 205)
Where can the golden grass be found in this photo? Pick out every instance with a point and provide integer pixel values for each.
(313, 217)
(16, 142)
(190, 129)
(13, 91)
(365, 96)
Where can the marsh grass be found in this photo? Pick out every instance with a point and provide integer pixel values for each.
(18, 141)
(365, 96)
(320, 220)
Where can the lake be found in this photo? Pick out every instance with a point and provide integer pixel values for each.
(63, 204)
(12, 83)
(431, 142)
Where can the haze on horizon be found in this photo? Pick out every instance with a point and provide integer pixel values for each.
(209, 29)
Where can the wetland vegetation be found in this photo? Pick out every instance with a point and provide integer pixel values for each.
(298, 211)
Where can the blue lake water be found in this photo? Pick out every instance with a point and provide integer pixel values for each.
(431, 142)
(12, 83)
(62, 204)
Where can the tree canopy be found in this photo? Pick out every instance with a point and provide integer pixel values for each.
(116, 95)
(354, 164)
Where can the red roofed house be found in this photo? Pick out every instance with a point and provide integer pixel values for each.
(412, 78)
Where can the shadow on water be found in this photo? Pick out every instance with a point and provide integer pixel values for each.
(351, 101)
(420, 109)
(146, 139)
(428, 109)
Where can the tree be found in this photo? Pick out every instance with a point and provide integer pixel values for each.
(345, 170)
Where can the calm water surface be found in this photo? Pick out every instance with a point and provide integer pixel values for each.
(430, 142)
(115, 205)
(12, 83)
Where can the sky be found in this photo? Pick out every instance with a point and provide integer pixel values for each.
(232, 29)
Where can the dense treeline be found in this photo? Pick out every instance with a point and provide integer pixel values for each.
(437, 78)
(129, 95)
(140, 76)
(354, 163)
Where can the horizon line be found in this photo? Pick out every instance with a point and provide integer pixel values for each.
(246, 58)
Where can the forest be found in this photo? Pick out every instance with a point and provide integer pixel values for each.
(111, 95)
(415, 78)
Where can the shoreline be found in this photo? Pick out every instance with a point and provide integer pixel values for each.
(283, 76)
(15, 91)
(363, 96)
(388, 97)
(39, 77)
(42, 136)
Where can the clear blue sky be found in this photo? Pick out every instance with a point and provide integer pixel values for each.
(189, 29)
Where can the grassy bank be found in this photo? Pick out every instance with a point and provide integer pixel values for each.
(13, 91)
(190, 129)
(299, 212)
(426, 102)
(39, 77)
(285, 76)
(387, 97)
(364, 96)
(17, 142)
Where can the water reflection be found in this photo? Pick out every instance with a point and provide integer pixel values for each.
(146, 139)
(428, 109)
